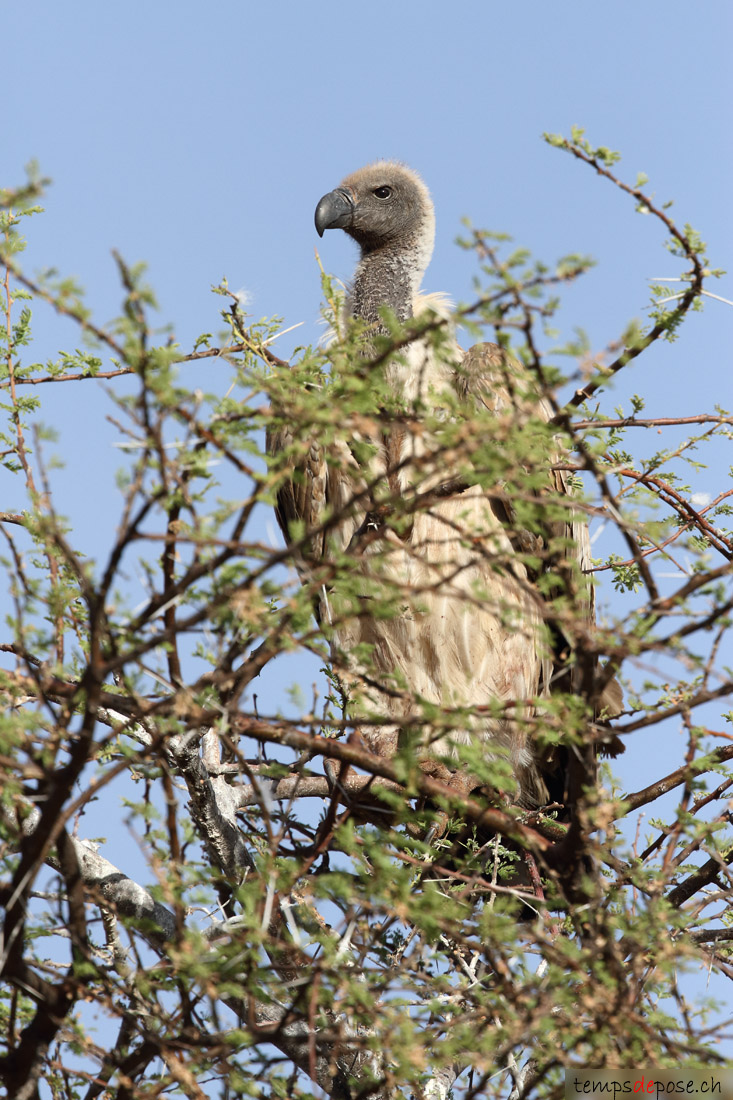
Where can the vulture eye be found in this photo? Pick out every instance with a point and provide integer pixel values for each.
(382, 192)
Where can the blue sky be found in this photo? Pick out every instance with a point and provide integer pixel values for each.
(200, 137)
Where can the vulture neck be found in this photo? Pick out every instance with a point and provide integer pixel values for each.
(390, 276)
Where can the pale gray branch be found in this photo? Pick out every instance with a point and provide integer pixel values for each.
(312, 786)
(213, 806)
(119, 892)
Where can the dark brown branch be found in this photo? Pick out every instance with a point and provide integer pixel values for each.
(715, 935)
(653, 422)
(700, 878)
(686, 300)
(66, 311)
(696, 699)
(681, 775)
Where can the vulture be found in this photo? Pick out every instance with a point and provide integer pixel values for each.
(488, 618)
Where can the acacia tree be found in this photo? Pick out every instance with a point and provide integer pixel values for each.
(313, 918)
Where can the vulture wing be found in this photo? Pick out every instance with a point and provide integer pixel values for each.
(302, 497)
(499, 383)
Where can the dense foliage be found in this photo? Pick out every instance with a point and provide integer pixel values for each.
(314, 919)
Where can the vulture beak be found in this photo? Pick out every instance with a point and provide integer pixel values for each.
(334, 211)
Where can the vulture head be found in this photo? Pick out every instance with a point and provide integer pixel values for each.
(386, 208)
